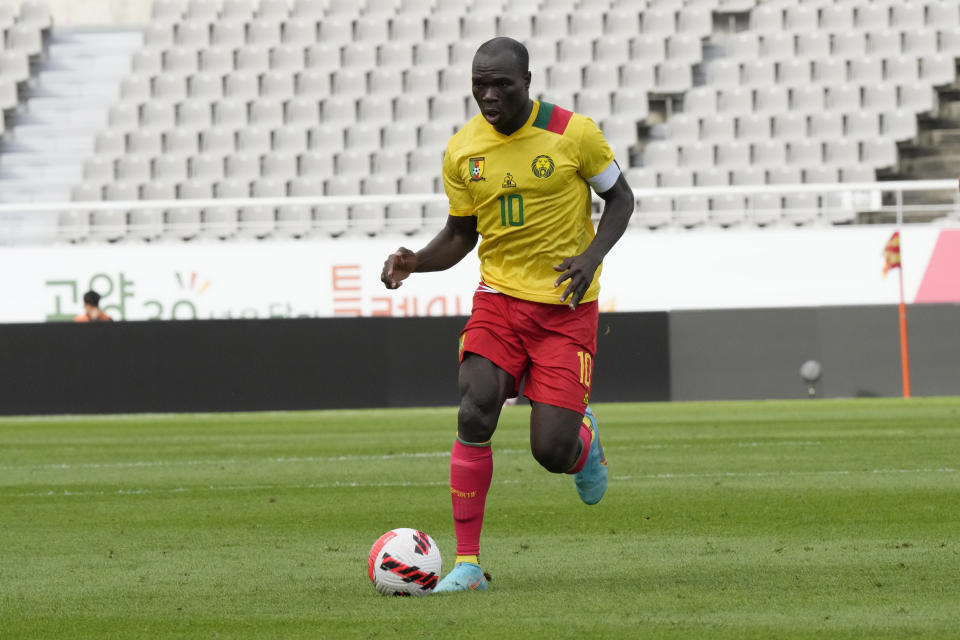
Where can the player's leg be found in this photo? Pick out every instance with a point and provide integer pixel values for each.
(563, 430)
(483, 389)
(555, 438)
(563, 441)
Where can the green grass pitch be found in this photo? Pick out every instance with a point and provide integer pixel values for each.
(813, 519)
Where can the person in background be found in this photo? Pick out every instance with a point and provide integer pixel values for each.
(91, 309)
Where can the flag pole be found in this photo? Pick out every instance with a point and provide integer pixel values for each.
(904, 350)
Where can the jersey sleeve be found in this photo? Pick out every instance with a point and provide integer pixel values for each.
(461, 204)
(597, 165)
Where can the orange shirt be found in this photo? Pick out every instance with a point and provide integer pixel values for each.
(85, 318)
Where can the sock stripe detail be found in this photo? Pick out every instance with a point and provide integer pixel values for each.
(473, 444)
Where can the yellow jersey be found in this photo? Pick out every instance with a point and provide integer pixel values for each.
(530, 193)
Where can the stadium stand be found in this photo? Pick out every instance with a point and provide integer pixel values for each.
(238, 98)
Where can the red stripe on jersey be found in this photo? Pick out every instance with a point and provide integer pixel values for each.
(559, 120)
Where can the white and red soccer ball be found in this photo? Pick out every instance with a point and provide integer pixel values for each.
(404, 562)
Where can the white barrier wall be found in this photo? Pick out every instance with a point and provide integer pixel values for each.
(340, 277)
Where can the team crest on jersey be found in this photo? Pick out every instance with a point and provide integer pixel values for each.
(542, 166)
(476, 169)
(508, 182)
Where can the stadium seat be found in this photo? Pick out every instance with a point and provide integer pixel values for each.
(322, 57)
(230, 33)
(769, 100)
(325, 136)
(194, 34)
(700, 101)
(742, 176)
(303, 31)
(813, 45)
(253, 139)
(879, 152)
(871, 17)
(807, 99)
(230, 114)
(98, 169)
(673, 76)
(660, 155)
(936, 70)
(170, 168)
(241, 85)
(266, 112)
(777, 46)
(764, 209)
(823, 174)
(727, 209)
(206, 167)
(216, 60)
(124, 116)
(653, 212)
(287, 58)
(784, 175)
(146, 141)
(898, 125)
(917, 98)
(849, 44)
(758, 73)
(919, 43)
(861, 125)
(675, 178)
(789, 126)
(769, 153)
(217, 140)
(648, 48)
(836, 18)
(767, 18)
(290, 140)
(205, 87)
(180, 141)
(146, 62)
(399, 135)
(733, 154)
(842, 151)
(804, 153)
(845, 97)
(692, 210)
(717, 128)
(712, 177)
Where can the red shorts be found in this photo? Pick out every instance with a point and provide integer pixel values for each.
(549, 343)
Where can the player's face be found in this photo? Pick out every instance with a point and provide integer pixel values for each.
(501, 90)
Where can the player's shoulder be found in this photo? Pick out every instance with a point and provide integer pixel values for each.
(559, 120)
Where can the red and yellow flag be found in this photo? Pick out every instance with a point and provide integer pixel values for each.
(891, 253)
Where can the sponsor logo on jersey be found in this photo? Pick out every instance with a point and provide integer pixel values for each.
(476, 169)
(508, 182)
(542, 166)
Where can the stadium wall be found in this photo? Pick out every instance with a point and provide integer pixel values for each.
(326, 363)
(259, 365)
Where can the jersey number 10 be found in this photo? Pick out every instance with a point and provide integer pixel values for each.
(511, 210)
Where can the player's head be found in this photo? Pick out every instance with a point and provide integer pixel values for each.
(91, 303)
(501, 82)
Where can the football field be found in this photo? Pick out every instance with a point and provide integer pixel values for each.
(805, 519)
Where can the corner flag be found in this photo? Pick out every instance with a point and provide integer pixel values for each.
(891, 260)
(891, 253)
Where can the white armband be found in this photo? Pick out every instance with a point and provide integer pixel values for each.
(604, 180)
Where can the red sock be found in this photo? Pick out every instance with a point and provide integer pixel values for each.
(471, 469)
(586, 437)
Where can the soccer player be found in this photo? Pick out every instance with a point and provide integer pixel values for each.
(519, 176)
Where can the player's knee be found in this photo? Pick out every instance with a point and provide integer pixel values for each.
(553, 456)
(477, 420)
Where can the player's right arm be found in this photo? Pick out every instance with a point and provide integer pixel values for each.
(457, 238)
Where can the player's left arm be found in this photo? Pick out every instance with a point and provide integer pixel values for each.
(618, 205)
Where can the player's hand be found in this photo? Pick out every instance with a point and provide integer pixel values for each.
(398, 265)
(579, 271)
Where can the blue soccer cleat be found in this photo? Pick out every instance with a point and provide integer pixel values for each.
(465, 576)
(591, 481)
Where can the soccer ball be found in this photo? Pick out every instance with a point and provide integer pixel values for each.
(404, 562)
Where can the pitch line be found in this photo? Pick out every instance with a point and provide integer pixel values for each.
(137, 464)
(444, 483)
